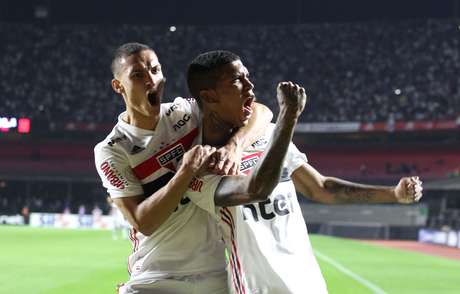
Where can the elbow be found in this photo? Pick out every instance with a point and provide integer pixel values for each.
(259, 193)
(260, 196)
(260, 190)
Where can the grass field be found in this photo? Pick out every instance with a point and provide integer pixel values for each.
(52, 261)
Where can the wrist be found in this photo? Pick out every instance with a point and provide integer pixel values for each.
(234, 144)
(186, 171)
(288, 115)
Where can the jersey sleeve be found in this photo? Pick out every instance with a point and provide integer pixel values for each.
(201, 192)
(294, 158)
(116, 174)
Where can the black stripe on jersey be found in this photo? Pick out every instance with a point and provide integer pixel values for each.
(157, 184)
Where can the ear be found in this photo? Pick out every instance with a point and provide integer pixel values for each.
(209, 96)
(117, 87)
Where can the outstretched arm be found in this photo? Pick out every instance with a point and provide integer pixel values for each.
(319, 188)
(235, 190)
(230, 155)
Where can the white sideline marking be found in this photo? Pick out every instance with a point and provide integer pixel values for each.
(359, 279)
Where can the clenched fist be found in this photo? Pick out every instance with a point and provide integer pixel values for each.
(409, 190)
(291, 97)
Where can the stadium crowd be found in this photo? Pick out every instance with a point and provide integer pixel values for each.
(367, 72)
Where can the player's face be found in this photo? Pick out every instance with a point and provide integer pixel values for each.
(234, 94)
(141, 82)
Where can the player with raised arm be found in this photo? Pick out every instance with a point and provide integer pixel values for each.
(270, 251)
(176, 247)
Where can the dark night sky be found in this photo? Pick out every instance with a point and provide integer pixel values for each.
(225, 12)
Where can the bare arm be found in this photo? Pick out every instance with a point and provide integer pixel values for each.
(147, 214)
(319, 188)
(265, 176)
(230, 154)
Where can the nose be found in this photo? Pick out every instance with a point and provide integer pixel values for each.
(248, 85)
(149, 80)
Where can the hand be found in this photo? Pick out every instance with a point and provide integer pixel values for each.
(197, 159)
(291, 97)
(408, 190)
(226, 160)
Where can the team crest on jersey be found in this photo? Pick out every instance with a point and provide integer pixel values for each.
(249, 161)
(113, 175)
(175, 153)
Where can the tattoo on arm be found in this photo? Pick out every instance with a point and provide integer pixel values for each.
(346, 192)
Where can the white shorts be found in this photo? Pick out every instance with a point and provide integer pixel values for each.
(213, 283)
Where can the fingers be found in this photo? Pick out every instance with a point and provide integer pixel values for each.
(233, 171)
(207, 153)
(410, 190)
(224, 163)
(414, 187)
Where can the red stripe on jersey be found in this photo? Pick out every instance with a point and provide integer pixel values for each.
(135, 243)
(236, 282)
(236, 277)
(255, 154)
(152, 164)
(237, 274)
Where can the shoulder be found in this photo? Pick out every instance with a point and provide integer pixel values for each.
(111, 146)
(180, 104)
(182, 114)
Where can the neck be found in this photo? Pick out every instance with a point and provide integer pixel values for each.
(216, 132)
(140, 120)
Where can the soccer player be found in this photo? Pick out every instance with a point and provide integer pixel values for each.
(268, 241)
(176, 247)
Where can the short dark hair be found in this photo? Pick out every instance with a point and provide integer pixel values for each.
(124, 51)
(203, 71)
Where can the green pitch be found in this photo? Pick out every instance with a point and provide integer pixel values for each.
(55, 261)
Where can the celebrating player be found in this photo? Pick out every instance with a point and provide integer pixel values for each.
(176, 248)
(268, 241)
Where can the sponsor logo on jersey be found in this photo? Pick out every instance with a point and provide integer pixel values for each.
(260, 142)
(182, 122)
(175, 152)
(196, 185)
(278, 205)
(171, 109)
(113, 175)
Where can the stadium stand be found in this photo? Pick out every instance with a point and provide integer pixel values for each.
(369, 72)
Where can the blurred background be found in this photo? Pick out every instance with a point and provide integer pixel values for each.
(383, 79)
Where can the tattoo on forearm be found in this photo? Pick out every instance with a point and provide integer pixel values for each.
(349, 193)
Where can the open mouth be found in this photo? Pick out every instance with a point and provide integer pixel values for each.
(153, 99)
(247, 106)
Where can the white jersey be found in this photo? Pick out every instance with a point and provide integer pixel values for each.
(133, 161)
(268, 244)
